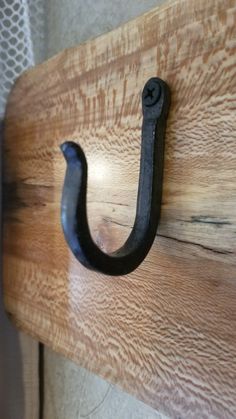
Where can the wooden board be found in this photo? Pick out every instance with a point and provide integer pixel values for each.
(167, 332)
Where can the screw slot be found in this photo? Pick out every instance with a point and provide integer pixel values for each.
(151, 93)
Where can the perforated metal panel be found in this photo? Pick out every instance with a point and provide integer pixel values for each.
(21, 26)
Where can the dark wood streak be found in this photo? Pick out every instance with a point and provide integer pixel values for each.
(19, 195)
(221, 252)
(208, 220)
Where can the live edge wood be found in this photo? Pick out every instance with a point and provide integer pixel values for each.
(167, 332)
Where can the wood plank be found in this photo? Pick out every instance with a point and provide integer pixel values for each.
(166, 333)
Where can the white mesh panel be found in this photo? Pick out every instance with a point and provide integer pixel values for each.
(21, 25)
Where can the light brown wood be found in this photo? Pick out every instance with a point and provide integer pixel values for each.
(167, 332)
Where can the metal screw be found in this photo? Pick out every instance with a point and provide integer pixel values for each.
(151, 92)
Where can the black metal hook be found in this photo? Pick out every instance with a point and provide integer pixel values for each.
(155, 103)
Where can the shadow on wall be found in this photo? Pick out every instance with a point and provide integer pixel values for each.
(11, 369)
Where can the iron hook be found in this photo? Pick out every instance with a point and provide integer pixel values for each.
(155, 104)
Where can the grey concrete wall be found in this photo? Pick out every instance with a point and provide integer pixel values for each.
(74, 21)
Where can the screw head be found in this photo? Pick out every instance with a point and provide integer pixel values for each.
(151, 92)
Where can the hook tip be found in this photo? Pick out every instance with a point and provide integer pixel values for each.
(72, 152)
(65, 146)
(69, 150)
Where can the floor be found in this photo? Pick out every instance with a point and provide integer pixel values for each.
(72, 392)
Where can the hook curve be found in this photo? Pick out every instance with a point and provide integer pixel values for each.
(155, 104)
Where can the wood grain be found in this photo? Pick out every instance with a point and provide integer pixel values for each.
(167, 332)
